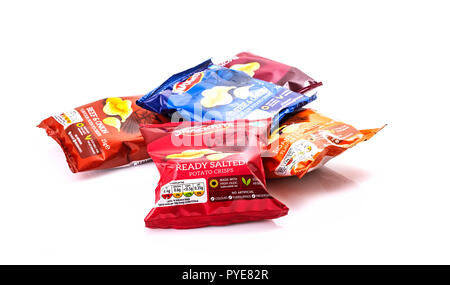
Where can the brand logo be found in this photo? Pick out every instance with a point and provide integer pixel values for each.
(184, 86)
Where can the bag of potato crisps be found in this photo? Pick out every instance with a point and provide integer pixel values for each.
(308, 140)
(211, 173)
(102, 134)
(211, 92)
(269, 70)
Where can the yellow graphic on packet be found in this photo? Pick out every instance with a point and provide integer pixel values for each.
(218, 156)
(198, 153)
(117, 106)
(242, 92)
(190, 154)
(248, 68)
(218, 95)
(113, 122)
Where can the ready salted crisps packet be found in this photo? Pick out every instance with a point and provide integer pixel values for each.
(211, 174)
(306, 141)
(211, 92)
(102, 134)
(272, 71)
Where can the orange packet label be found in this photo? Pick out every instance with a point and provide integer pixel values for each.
(306, 141)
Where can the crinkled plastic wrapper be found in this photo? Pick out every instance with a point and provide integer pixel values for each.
(272, 71)
(211, 92)
(102, 134)
(211, 174)
(306, 141)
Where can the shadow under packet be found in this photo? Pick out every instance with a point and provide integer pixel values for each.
(307, 140)
(211, 174)
(102, 134)
(212, 92)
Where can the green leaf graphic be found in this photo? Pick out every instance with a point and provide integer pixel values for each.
(246, 182)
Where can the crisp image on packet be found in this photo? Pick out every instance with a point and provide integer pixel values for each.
(272, 71)
(211, 174)
(211, 92)
(306, 141)
(102, 134)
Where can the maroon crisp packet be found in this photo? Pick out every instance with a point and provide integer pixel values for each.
(272, 71)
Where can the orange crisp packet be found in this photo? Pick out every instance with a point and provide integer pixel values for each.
(306, 141)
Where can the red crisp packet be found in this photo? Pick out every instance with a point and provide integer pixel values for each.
(102, 134)
(211, 174)
(269, 70)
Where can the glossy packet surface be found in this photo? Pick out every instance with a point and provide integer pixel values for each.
(102, 134)
(211, 92)
(272, 71)
(210, 174)
(306, 141)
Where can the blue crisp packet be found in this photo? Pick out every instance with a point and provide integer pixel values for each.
(211, 92)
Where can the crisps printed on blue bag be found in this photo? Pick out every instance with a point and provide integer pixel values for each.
(212, 92)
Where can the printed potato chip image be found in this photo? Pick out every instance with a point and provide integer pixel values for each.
(218, 95)
(242, 92)
(184, 156)
(196, 151)
(294, 128)
(291, 128)
(190, 154)
(218, 156)
(248, 68)
(119, 107)
(113, 122)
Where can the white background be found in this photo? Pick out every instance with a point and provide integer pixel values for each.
(385, 201)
